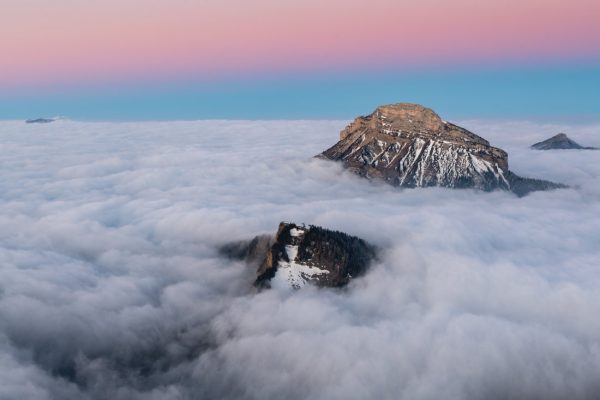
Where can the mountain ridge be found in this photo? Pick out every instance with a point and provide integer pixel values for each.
(409, 145)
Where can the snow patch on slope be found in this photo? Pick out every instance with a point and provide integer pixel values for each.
(293, 274)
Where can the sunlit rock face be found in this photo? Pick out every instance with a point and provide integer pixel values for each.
(303, 255)
(409, 145)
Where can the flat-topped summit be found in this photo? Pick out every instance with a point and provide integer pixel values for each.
(408, 116)
(406, 119)
(411, 146)
(560, 142)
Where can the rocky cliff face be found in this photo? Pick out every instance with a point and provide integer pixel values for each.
(298, 255)
(411, 146)
(302, 255)
(560, 142)
(252, 251)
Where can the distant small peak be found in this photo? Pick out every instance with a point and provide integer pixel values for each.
(43, 120)
(559, 142)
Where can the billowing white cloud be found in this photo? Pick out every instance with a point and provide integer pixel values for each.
(111, 286)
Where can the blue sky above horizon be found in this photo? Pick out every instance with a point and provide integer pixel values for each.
(531, 92)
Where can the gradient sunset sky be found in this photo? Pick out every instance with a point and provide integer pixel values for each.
(187, 59)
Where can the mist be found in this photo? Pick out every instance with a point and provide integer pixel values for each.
(112, 287)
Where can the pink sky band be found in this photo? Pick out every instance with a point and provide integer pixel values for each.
(131, 39)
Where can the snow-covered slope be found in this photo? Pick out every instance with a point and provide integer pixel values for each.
(291, 272)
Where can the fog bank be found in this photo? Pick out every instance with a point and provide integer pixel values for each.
(111, 286)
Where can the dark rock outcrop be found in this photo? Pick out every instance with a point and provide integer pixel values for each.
(560, 142)
(409, 145)
(301, 255)
(298, 255)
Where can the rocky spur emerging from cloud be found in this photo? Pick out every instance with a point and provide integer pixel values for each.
(111, 286)
(298, 255)
(411, 146)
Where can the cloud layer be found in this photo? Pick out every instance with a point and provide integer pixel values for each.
(111, 287)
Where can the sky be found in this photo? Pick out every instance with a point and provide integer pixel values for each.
(186, 59)
(112, 286)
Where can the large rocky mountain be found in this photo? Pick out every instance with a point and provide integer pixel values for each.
(560, 142)
(298, 255)
(411, 146)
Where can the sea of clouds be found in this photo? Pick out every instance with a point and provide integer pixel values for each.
(111, 286)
